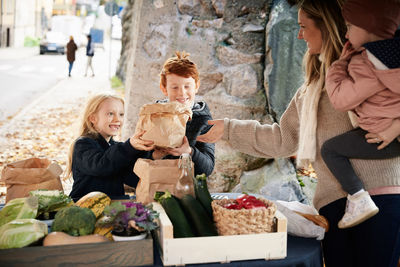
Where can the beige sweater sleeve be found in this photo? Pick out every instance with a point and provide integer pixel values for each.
(268, 140)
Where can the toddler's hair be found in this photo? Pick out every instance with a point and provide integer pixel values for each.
(181, 66)
(86, 127)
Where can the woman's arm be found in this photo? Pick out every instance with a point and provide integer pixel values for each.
(268, 140)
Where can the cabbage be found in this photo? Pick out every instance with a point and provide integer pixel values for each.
(19, 208)
(21, 232)
(50, 201)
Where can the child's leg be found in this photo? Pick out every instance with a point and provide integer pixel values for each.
(337, 151)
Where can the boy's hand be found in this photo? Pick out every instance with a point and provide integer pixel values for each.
(184, 148)
(347, 51)
(386, 136)
(214, 134)
(140, 144)
(159, 153)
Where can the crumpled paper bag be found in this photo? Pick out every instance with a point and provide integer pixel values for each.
(164, 123)
(156, 175)
(23, 176)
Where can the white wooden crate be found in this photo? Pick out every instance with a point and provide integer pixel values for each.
(180, 251)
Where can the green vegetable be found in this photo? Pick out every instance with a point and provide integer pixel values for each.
(50, 200)
(175, 213)
(74, 220)
(198, 216)
(202, 193)
(21, 232)
(19, 208)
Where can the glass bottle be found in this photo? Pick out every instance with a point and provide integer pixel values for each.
(184, 184)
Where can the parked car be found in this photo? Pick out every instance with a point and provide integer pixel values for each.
(53, 42)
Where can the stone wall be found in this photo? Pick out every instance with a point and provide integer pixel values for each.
(238, 65)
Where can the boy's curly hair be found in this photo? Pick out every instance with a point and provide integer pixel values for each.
(179, 65)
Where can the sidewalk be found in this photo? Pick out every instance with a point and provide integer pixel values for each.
(46, 127)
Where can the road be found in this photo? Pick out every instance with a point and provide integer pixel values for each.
(24, 79)
(25, 75)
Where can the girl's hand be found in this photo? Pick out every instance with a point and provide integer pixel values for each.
(347, 51)
(140, 144)
(385, 137)
(214, 134)
(184, 148)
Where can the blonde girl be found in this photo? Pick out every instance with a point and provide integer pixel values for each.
(96, 161)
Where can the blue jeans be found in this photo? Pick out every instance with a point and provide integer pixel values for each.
(71, 64)
(373, 243)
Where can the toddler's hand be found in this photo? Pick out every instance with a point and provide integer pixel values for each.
(214, 134)
(140, 144)
(386, 136)
(347, 51)
(184, 148)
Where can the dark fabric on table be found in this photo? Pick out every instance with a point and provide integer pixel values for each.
(301, 252)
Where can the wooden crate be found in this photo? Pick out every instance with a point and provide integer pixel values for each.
(180, 251)
(129, 253)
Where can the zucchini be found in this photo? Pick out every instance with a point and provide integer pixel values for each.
(202, 193)
(198, 217)
(175, 213)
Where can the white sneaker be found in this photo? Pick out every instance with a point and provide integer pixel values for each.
(358, 209)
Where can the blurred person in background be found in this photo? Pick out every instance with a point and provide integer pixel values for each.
(71, 49)
(89, 54)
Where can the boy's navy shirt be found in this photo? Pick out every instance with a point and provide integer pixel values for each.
(203, 153)
(98, 165)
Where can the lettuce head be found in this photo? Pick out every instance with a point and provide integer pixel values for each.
(21, 232)
(19, 208)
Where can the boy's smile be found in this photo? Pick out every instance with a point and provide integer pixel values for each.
(180, 89)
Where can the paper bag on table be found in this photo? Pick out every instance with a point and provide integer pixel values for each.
(164, 123)
(156, 175)
(23, 176)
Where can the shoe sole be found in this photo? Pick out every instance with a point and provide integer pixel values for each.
(361, 219)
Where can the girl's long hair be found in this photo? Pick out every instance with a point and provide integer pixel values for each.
(327, 16)
(86, 127)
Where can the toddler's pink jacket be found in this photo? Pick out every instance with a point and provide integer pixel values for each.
(374, 95)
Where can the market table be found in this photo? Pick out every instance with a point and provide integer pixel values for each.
(305, 252)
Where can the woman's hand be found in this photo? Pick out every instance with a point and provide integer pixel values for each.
(214, 134)
(385, 137)
(140, 144)
(184, 148)
(347, 51)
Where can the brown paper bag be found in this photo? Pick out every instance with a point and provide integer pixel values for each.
(164, 123)
(23, 176)
(156, 175)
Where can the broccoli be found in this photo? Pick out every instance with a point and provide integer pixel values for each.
(75, 221)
